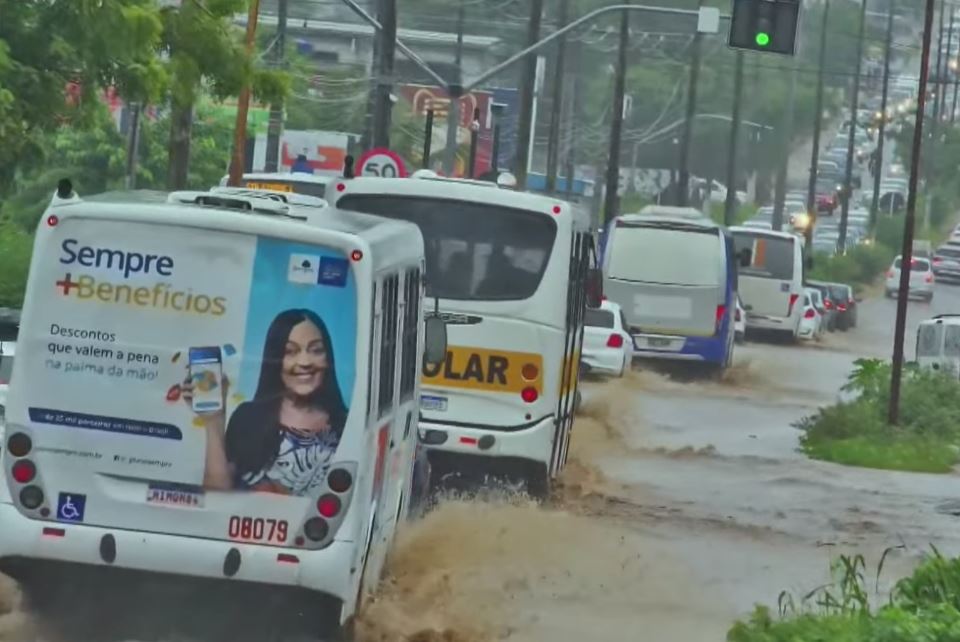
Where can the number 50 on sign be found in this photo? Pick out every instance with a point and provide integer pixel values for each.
(381, 162)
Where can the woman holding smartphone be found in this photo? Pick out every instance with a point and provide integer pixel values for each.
(283, 440)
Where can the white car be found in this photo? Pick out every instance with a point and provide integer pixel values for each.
(811, 323)
(921, 279)
(740, 323)
(607, 345)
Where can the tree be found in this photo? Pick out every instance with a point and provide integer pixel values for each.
(46, 46)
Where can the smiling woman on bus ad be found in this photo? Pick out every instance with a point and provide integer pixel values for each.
(284, 439)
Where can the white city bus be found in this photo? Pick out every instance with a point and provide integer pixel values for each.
(508, 272)
(216, 386)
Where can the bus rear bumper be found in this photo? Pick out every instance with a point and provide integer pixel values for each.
(326, 571)
(534, 443)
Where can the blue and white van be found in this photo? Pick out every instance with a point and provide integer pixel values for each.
(674, 273)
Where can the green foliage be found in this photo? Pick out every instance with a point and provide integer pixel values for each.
(856, 432)
(922, 608)
(860, 266)
(210, 145)
(15, 249)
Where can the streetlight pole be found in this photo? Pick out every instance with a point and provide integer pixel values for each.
(556, 108)
(787, 136)
(937, 71)
(817, 120)
(275, 128)
(525, 124)
(854, 105)
(730, 204)
(611, 198)
(906, 252)
(881, 131)
(683, 184)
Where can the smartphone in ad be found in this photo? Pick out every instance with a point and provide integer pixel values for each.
(206, 375)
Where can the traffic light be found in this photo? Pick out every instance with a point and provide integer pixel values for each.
(765, 25)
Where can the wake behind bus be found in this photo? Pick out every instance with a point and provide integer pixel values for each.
(507, 271)
(218, 387)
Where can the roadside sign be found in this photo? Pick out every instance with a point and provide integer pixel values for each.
(381, 162)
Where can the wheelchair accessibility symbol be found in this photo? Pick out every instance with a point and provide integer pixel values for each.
(70, 507)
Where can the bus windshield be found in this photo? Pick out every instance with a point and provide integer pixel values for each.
(667, 255)
(770, 256)
(474, 251)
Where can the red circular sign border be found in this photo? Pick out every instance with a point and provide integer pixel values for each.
(392, 155)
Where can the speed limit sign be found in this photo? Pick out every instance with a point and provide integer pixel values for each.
(381, 162)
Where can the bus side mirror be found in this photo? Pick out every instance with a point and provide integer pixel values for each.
(594, 287)
(744, 256)
(435, 340)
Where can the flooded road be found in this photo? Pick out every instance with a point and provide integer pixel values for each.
(684, 504)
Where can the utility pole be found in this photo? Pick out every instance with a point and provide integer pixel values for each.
(527, 88)
(275, 127)
(854, 105)
(133, 145)
(611, 204)
(453, 108)
(786, 137)
(730, 204)
(243, 104)
(936, 74)
(556, 107)
(906, 252)
(817, 121)
(683, 182)
(942, 92)
(383, 106)
(881, 131)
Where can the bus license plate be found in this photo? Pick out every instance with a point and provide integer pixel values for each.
(258, 529)
(438, 404)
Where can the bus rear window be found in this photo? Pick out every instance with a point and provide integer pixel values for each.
(770, 256)
(668, 255)
(474, 251)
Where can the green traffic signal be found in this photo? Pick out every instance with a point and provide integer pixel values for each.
(762, 39)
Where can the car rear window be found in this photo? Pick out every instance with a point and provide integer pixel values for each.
(598, 318)
(917, 265)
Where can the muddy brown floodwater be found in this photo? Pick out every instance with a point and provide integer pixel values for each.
(684, 503)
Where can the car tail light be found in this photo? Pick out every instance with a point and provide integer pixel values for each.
(329, 506)
(316, 529)
(828, 304)
(809, 314)
(19, 444)
(937, 259)
(929, 277)
(24, 471)
(529, 394)
(615, 341)
(339, 480)
(738, 314)
(890, 274)
(718, 321)
(793, 301)
(842, 307)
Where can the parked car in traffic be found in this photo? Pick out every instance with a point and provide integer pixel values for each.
(946, 261)
(921, 279)
(846, 305)
(607, 344)
(829, 305)
(938, 344)
(811, 323)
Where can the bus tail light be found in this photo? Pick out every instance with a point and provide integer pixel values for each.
(31, 497)
(316, 529)
(721, 312)
(793, 301)
(615, 341)
(809, 314)
(529, 394)
(328, 506)
(24, 471)
(529, 372)
(339, 480)
(19, 444)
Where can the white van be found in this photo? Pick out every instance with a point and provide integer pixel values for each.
(217, 386)
(938, 344)
(771, 286)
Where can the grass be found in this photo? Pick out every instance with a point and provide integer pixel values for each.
(922, 607)
(856, 432)
(906, 453)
